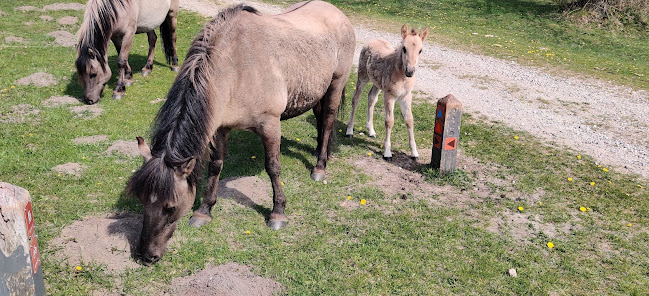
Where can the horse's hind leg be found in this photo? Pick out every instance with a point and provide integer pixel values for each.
(168, 32)
(406, 111)
(388, 101)
(270, 133)
(149, 61)
(360, 85)
(123, 44)
(372, 97)
(203, 214)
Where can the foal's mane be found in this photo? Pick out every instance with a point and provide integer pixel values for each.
(182, 129)
(95, 31)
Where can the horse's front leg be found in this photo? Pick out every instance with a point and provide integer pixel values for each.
(203, 214)
(152, 37)
(372, 98)
(388, 101)
(406, 111)
(270, 133)
(123, 44)
(330, 103)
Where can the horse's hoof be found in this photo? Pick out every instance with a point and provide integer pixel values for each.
(277, 224)
(373, 136)
(118, 96)
(415, 158)
(387, 158)
(317, 176)
(349, 136)
(128, 83)
(146, 73)
(197, 222)
(175, 69)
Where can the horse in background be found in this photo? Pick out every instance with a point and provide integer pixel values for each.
(119, 21)
(391, 71)
(244, 71)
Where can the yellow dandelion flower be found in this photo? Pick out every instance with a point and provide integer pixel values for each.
(13, 86)
(247, 231)
(253, 157)
(599, 166)
(582, 209)
(592, 183)
(283, 184)
(369, 153)
(550, 245)
(578, 156)
(540, 203)
(569, 179)
(340, 131)
(363, 201)
(349, 197)
(297, 139)
(79, 268)
(98, 183)
(520, 209)
(629, 225)
(639, 186)
(516, 137)
(588, 209)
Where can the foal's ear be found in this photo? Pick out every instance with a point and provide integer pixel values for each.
(423, 34)
(144, 149)
(185, 168)
(404, 31)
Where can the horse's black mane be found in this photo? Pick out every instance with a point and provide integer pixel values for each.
(99, 19)
(181, 129)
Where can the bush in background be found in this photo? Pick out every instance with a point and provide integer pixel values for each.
(614, 13)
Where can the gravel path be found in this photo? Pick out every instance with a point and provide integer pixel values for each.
(593, 117)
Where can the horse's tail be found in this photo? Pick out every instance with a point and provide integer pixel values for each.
(168, 39)
(341, 107)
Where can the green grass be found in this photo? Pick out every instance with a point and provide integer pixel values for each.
(391, 246)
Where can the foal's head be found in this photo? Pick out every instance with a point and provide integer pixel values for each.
(166, 193)
(411, 47)
(94, 73)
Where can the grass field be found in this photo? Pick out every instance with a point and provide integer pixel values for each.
(515, 197)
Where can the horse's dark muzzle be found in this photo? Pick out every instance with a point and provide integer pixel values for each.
(147, 260)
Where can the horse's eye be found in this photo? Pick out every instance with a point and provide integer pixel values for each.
(420, 51)
(404, 50)
(93, 75)
(169, 210)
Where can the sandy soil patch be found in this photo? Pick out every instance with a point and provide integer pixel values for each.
(2, 13)
(56, 101)
(70, 168)
(46, 18)
(39, 79)
(248, 191)
(158, 100)
(90, 139)
(68, 20)
(18, 113)
(27, 8)
(65, 6)
(128, 148)
(86, 111)
(63, 38)
(226, 280)
(14, 39)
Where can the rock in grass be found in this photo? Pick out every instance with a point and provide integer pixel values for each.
(512, 272)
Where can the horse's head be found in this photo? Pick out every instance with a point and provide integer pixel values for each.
(411, 47)
(93, 72)
(166, 194)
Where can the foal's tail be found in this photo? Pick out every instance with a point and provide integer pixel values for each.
(168, 39)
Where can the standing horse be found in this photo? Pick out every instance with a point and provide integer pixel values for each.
(392, 71)
(244, 71)
(119, 21)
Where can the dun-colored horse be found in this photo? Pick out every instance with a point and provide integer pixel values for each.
(244, 71)
(391, 71)
(119, 21)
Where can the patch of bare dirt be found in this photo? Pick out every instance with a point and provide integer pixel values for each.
(2, 13)
(128, 148)
(63, 38)
(65, 6)
(89, 140)
(27, 8)
(158, 100)
(87, 111)
(70, 168)
(248, 191)
(109, 240)
(14, 39)
(46, 18)
(225, 280)
(39, 79)
(68, 20)
(18, 113)
(55, 101)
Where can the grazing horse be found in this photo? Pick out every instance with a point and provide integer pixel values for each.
(243, 71)
(391, 71)
(119, 21)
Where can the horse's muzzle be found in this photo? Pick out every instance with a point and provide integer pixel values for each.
(409, 72)
(147, 260)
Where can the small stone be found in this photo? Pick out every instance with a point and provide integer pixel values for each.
(512, 272)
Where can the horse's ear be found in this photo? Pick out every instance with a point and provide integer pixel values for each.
(423, 34)
(144, 149)
(185, 168)
(404, 31)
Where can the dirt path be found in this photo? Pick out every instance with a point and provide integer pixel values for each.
(593, 117)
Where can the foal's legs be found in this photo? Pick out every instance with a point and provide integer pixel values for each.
(360, 85)
(372, 97)
(406, 111)
(270, 133)
(203, 214)
(149, 61)
(388, 101)
(123, 44)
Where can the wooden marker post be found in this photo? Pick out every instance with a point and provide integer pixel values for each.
(20, 264)
(447, 134)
